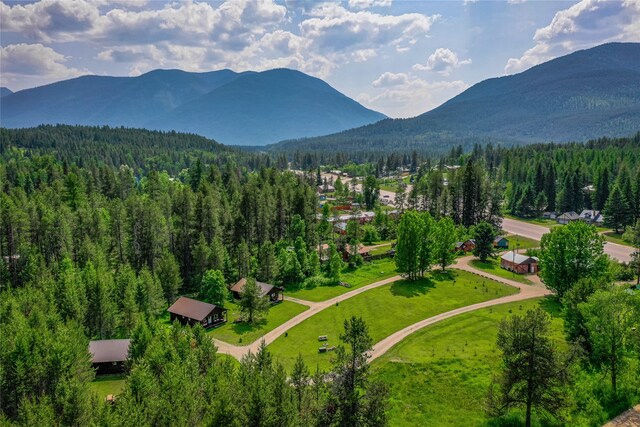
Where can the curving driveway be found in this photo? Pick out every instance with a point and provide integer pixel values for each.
(526, 292)
(314, 307)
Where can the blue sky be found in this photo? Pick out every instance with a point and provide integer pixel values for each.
(398, 57)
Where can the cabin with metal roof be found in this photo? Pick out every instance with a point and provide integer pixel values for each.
(109, 356)
(519, 263)
(274, 293)
(191, 312)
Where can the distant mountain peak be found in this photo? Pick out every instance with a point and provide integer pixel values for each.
(587, 94)
(255, 108)
(4, 91)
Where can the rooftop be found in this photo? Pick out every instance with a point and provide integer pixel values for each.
(105, 351)
(191, 308)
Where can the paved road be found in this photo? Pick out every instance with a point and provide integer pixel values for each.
(533, 231)
(526, 292)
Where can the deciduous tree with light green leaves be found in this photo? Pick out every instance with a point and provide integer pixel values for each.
(570, 253)
(213, 288)
(611, 317)
(408, 247)
(444, 237)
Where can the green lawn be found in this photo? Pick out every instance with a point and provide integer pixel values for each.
(381, 250)
(370, 272)
(386, 309)
(492, 266)
(537, 221)
(236, 333)
(615, 238)
(520, 242)
(439, 376)
(108, 384)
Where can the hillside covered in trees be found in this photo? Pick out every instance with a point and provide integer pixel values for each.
(587, 94)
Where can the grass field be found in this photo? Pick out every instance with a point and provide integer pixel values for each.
(440, 375)
(381, 250)
(537, 221)
(108, 384)
(371, 272)
(520, 242)
(492, 266)
(244, 333)
(615, 238)
(386, 309)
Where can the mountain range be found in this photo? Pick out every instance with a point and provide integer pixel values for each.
(586, 94)
(4, 91)
(247, 108)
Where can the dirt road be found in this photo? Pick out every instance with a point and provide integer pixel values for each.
(526, 292)
(534, 231)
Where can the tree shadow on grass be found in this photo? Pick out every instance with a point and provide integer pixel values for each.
(443, 276)
(242, 328)
(551, 305)
(410, 289)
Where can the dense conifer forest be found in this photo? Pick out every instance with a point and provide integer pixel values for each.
(98, 249)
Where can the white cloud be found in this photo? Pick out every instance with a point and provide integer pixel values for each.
(442, 61)
(50, 20)
(406, 96)
(391, 79)
(25, 65)
(336, 29)
(366, 4)
(583, 25)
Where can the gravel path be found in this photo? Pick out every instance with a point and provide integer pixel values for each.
(630, 418)
(314, 308)
(526, 292)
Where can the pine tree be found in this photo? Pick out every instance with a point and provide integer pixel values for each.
(484, 234)
(213, 288)
(251, 303)
(617, 213)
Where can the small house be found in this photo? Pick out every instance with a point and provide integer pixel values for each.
(567, 217)
(363, 251)
(340, 228)
(519, 263)
(591, 217)
(466, 246)
(274, 293)
(191, 312)
(109, 356)
(549, 215)
(501, 242)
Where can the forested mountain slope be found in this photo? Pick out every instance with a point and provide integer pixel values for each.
(587, 94)
(234, 108)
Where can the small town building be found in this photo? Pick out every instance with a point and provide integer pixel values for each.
(340, 228)
(466, 246)
(326, 188)
(191, 312)
(519, 263)
(567, 217)
(501, 242)
(109, 356)
(274, 293)
(363, 251)
(549, 215)
(591, 217)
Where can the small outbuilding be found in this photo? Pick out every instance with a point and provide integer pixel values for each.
(274, 293)
(519, 263)
(109, 356)
(501, 242)
(466, 246)
(191, 312)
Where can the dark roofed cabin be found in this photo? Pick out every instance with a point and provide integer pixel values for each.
(108, 356)
(274, 293)
(191, 312)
